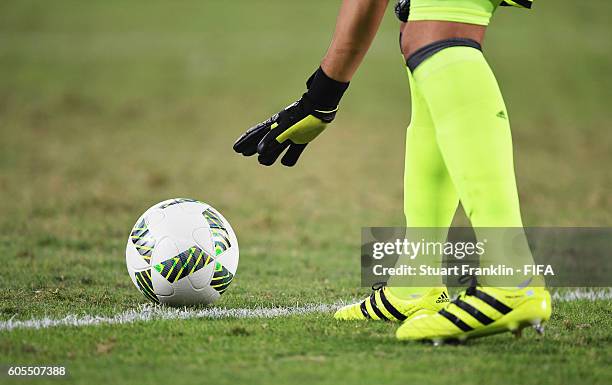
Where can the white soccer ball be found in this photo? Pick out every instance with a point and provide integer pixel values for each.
(182, 252)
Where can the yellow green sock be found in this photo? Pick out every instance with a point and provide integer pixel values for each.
(430, 200)
(473, 134)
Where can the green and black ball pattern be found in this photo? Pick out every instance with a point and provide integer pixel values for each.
(188, 261)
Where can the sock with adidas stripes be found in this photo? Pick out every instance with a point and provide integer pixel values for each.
(472, 131)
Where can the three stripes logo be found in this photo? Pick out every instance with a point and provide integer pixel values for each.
(470, 309)
(443, 298)
(187, 262)
(377, 304)
(218, 232)
(142, 240)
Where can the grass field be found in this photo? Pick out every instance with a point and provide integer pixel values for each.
(107, 107)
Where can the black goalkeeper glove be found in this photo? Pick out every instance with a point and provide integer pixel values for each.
(295, 126)
(402, 10)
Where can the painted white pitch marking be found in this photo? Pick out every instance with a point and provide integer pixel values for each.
(585, 294)
(148, 312)
(151, 312)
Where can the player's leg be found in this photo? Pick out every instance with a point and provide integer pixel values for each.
(473, 134)
(430, 201)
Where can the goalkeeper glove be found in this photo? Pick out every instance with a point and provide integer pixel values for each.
(402, 10)
(295, 126)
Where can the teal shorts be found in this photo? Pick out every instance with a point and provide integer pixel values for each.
(460, 11)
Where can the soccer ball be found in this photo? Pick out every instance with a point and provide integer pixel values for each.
(182, 252)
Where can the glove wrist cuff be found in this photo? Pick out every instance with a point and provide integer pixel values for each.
(323, 91)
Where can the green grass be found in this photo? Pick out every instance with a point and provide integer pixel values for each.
(109, 107)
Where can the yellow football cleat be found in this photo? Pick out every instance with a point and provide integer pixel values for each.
(383, 305)
(478, 312)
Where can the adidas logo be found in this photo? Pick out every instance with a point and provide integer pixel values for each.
(443, 298)
(501, 114)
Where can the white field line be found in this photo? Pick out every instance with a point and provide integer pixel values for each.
(584, 294)
(151, 312)
(147, 312)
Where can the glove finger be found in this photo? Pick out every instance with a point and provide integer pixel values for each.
(270, 151)
(269, 148)
(247, 143)
(293, 153)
